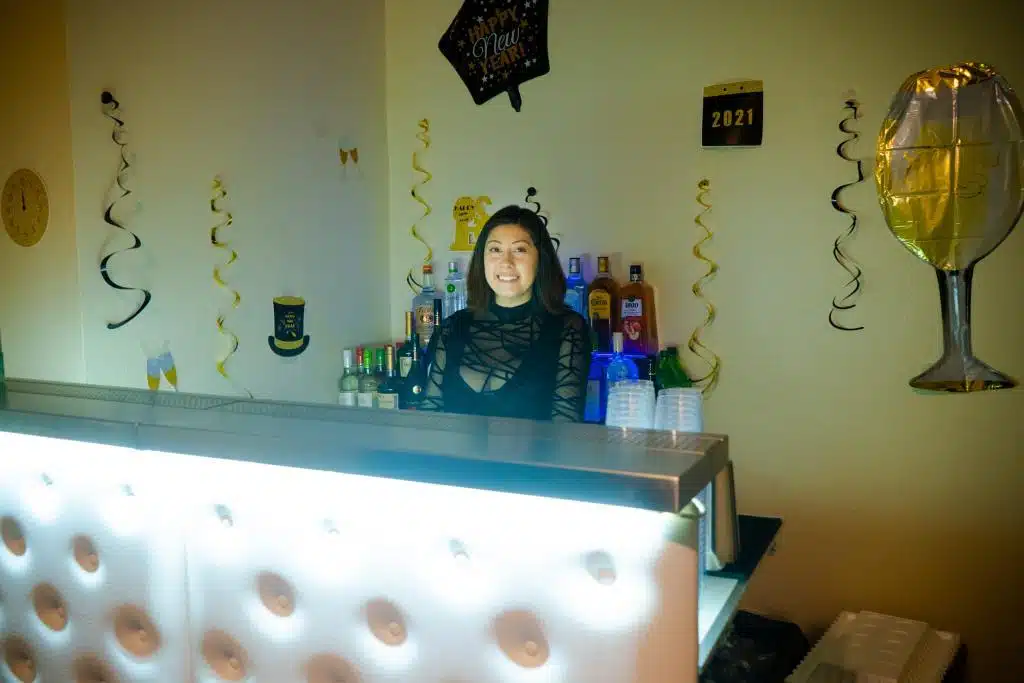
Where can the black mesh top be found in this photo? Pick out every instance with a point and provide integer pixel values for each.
(520, 362)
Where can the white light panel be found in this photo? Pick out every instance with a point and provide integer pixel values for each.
(121, 566)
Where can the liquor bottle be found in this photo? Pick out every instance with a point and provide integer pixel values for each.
(454, 290)
(380, 366)
(348, 385)
(639, 320)
(416, 382)
(366, 398)
(670, 373)
(423, 306)
(388, 390)
(576, 288)
(603, 305)
(620, 368)
(438, 316)
(405, 353)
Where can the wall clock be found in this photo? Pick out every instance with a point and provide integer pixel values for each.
(25, 207)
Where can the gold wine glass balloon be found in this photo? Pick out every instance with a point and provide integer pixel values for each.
(950, 177)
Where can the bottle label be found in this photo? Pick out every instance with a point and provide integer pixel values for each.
(450, 288)
(600, 305)
(347, 398)
(632, 323)
(387, 401)
(632, 308)
(425, 321)
(404, 366)
(364, 399)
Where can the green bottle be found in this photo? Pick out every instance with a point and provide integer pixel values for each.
(670, 373)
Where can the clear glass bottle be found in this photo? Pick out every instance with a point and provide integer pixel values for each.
(454, 290)
(603, 305)
(423, 306)
(576, 288)
(638, 317)
(367, 396)
(388, 391)
(620, 368)
(348, 385)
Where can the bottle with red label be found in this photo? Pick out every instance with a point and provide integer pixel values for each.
(637, 315)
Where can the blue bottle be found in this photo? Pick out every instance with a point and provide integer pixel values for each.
(620, 368)
(576, 288)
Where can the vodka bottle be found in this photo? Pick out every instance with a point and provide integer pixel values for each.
(454, 290)
(576, 288)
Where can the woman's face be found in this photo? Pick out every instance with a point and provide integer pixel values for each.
(510, 264)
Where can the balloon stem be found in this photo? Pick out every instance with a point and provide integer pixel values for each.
(515, 98)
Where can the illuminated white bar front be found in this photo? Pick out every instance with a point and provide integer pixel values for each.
(123, 564)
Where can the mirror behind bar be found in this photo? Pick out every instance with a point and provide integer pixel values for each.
(634, 468)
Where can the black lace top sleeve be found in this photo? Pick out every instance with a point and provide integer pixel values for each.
(433, 396)
(520, 362)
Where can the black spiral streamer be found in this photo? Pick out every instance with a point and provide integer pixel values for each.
(111, 109)
(531, 194)
(846, 302)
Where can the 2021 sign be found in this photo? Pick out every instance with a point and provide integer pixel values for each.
(733, 115)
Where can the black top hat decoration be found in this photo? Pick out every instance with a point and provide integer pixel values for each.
(288, 339)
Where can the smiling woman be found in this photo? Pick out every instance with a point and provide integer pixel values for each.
(517, 351)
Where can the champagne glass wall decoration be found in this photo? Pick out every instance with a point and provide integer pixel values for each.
(950, 179)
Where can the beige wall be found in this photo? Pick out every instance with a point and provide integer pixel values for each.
(262, 94)
(40, 319)
(893, 501)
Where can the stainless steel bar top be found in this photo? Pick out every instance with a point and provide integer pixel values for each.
(634, 468)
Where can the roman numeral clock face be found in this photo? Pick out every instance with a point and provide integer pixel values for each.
(24, 207)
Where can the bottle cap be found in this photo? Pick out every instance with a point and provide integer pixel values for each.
(636, 272)
(453, 266)
(428, 268)
(574, 264)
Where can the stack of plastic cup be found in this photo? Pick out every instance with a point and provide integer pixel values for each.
(680, 410)
(631, 405)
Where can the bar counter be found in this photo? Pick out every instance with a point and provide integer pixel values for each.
(154, 537)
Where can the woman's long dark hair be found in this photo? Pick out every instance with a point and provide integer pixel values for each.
(549, 285)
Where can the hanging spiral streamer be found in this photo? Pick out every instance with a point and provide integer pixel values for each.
(710, 380)
(111, 109)
(226, 221)
(847, 301)
(531, 194)
(424, 137)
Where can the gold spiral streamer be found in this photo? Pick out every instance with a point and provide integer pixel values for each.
(424, 137)
(226, 221)
(710, 380)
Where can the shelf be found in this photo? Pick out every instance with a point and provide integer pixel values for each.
(723, 589)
